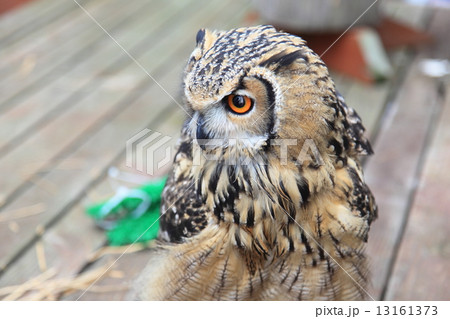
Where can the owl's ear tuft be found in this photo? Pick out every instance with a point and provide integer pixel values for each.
(200, 36)
(205, 38)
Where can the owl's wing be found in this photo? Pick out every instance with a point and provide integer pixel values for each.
(354, 130)
(355, 143)
(361, 200)
(182, 211)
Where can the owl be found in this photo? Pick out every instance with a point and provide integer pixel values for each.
(267, 199)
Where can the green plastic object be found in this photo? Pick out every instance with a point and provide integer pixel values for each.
(132, 215)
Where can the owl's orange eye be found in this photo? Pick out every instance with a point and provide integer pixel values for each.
(239, 104)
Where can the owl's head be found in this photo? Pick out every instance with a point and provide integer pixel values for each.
(258, 85)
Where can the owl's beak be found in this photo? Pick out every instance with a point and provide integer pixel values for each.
(201, 135)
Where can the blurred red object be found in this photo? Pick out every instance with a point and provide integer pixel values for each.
(7, 5)
(346, 55)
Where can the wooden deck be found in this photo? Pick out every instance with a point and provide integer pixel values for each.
(70, 98)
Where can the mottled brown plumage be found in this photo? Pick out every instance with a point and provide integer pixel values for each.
(275, 206)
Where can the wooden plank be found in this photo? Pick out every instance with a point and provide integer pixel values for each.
(129, 265)
(15, 91)
(65, 249)
(70, 243)
(36, 19)
(390, 173)
(421, 270)
(49, 140)
(111, 107)
(99, 150)
(31, 54)
(32, 48)
(95, 156)
(371, 103)
(80, 81)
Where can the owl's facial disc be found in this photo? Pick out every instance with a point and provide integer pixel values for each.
(243, 117)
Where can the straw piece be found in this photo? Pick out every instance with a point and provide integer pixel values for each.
(116, 274)
(60, 285)
(31, 284)
(43, 287)
(40, 254)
